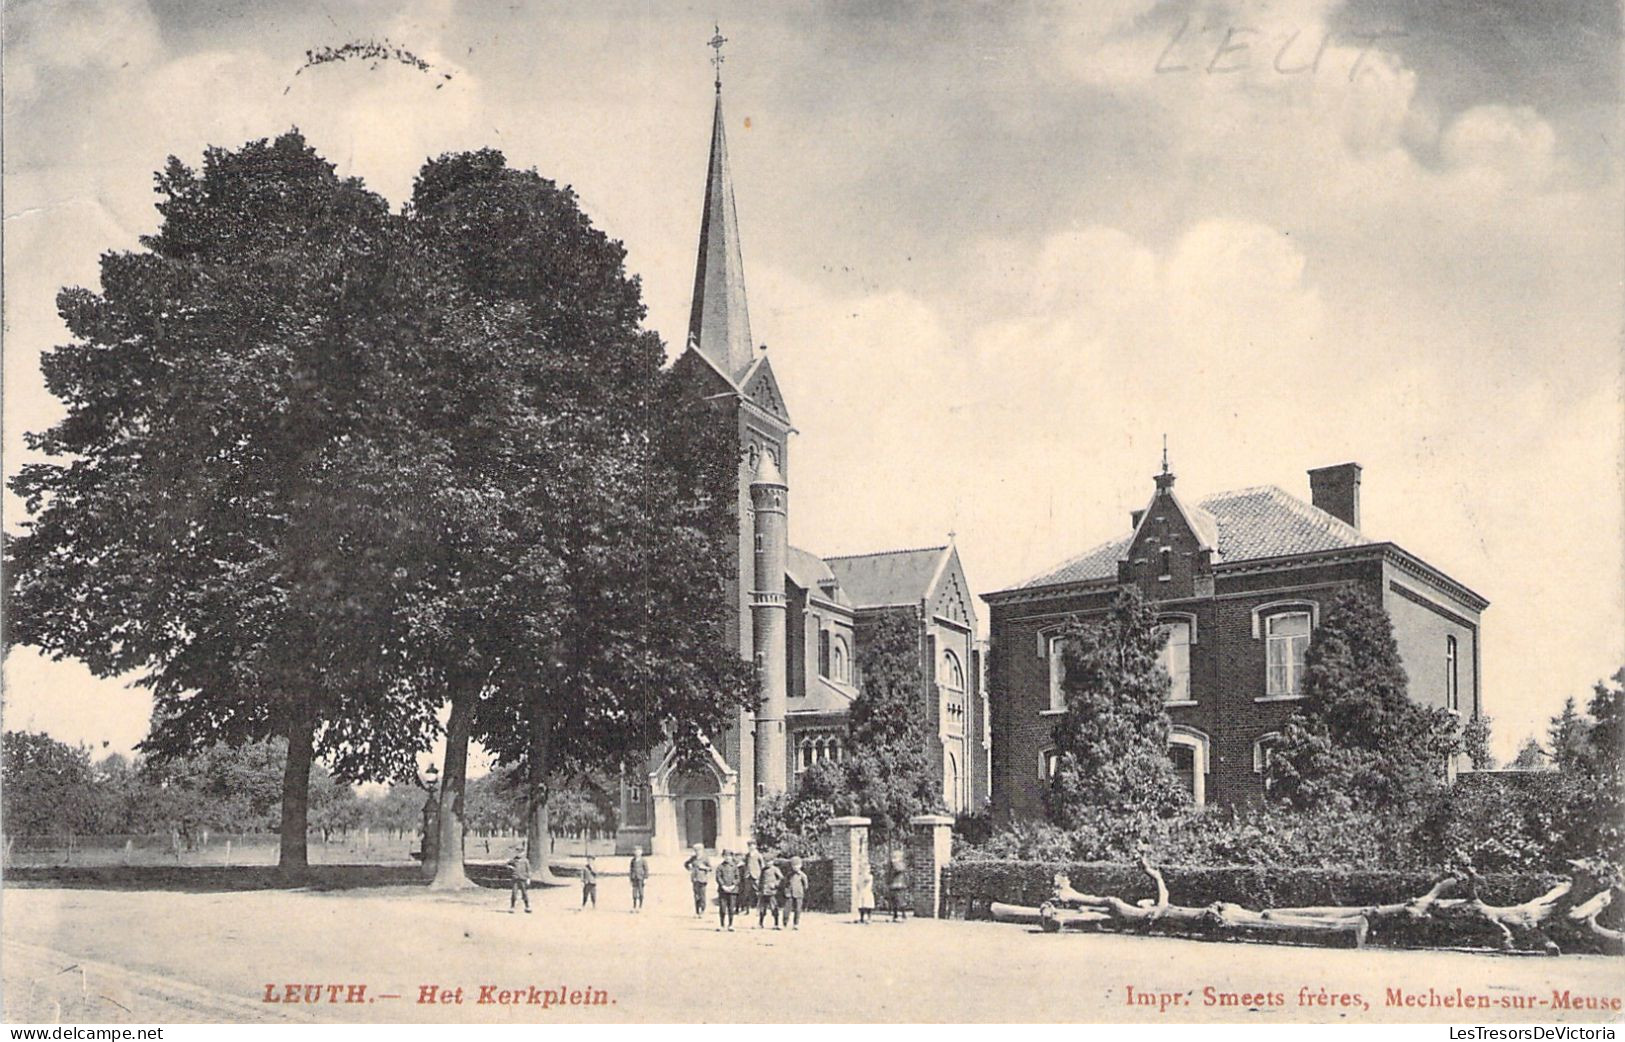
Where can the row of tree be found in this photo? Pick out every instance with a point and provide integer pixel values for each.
(53, 790)
(335, 474)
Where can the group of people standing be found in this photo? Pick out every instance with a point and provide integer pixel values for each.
(773, 886)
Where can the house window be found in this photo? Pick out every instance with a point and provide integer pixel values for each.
(1166, 563)
(1188, 748)
(1057, 673)
(950, 781)
(949, 672)
(1285, 642)
(823, 653)
(636, 793)
(758, 542)
(840, 660)
(1452, 676)
(1176, 659)
(817, 749)
(1263, 751)
(1049, 761)
(755, 456)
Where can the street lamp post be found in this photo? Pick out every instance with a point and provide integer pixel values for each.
(431, 820)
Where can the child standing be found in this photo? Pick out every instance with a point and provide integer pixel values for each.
(727, 890)
(795, 891)
(638, 873)
(699, 874)
(767, 889)
(866, 891)
(897, 885)
(519, 873)
(589, 883)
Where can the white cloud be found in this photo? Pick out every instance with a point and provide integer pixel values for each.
(1512, 143)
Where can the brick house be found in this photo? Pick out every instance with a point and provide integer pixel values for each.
(1238, 580)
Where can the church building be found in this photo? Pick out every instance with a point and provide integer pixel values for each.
(801, 618)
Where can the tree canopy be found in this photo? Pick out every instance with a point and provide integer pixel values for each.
(326, 468)
(1358, 740)
(1111, 743)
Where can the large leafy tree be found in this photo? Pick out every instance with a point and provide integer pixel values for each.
(1112, 741)
(232, 504)
(600, 632)
(1357, 740)
(888, 776)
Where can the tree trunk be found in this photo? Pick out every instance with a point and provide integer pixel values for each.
(448, 871)
(538, 840)
(293, 858)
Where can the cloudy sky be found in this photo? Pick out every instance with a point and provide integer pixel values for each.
(996, 251)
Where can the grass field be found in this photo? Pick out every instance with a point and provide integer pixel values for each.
(358, 847)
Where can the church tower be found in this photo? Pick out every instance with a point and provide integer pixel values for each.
(719, 321)
(719, 341)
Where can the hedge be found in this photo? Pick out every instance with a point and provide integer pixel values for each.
(969, 888)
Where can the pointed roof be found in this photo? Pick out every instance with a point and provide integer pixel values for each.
(890, 579)
(1244, 525)
(719, 322)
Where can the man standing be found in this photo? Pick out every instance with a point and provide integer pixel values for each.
(638, 873)
(750, 872)
(519, 873)
(699, 873)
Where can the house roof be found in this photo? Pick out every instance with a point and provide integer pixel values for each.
(808, 571)
(1265, 521)
(1246, 524)
(890, 578)
(824, 696)
(1097, 562)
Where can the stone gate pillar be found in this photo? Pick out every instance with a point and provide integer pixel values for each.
(848, 848)
(931, 844)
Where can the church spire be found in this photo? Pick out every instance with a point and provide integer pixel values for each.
(719, 322)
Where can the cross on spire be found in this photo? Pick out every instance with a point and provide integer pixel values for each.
(1165, 453)
(715, 43)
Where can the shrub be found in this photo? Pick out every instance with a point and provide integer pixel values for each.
(1112, 741)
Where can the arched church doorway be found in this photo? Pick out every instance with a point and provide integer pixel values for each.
(698, 798)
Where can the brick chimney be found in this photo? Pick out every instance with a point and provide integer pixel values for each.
(1336, 490)
(1134, 517)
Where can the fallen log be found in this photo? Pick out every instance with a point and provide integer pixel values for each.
(1415, 908)
(1070, 908)
(1329, 925)
(1529, 917)
(1014, 913)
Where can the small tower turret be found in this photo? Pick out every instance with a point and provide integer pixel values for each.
(769, 497)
